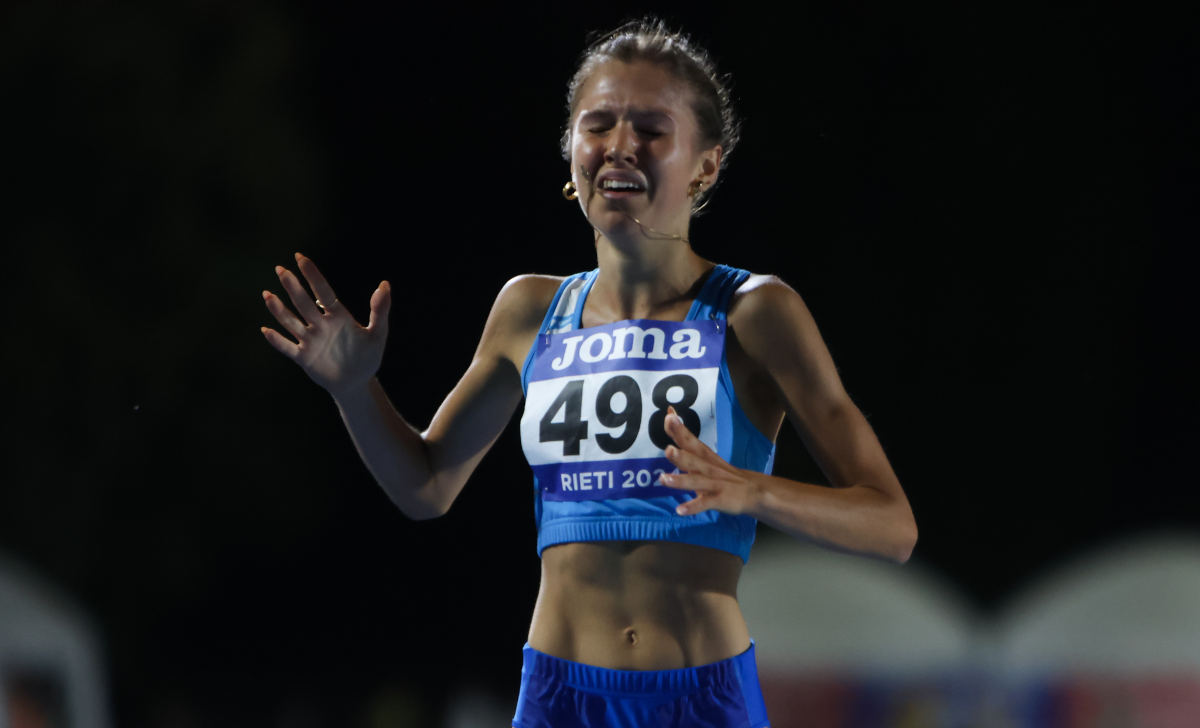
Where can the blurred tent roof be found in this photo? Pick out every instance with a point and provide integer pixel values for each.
(42, 633)
(1133, 607)
(813, 609)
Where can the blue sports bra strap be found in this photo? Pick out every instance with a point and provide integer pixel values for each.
(564, 311)
(563, 315)
(713, 300)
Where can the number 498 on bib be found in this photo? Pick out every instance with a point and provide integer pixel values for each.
(596, 404)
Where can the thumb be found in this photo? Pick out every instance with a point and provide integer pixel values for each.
(381, 303)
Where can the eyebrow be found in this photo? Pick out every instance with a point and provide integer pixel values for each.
(637, 114)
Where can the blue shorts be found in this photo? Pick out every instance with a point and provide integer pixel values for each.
(557, 693)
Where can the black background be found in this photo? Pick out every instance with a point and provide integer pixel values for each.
(987, 212)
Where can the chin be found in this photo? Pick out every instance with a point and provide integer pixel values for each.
(618, 233)
(607, 216)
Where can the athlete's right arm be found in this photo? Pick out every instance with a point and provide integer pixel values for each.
(422, 472)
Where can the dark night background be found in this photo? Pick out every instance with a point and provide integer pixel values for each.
(986, 211)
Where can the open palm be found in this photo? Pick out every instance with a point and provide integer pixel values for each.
(333, 349)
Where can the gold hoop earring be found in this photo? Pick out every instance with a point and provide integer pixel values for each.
(569, 190)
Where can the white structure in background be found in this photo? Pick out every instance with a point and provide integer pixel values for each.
(43, 635)
(1131, 609)
(850, 641)
(1109, 639)
(1112, 638)
(811, 610)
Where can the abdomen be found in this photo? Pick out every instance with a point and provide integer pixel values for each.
(638, 605)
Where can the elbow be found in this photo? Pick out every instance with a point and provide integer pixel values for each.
(420, 511)
(424, 509)
(903, 538)
(896, 532)
(426, 514)
(906, 543)
(432, 498)
(421, 505)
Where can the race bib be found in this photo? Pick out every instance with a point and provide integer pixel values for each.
(595, 408)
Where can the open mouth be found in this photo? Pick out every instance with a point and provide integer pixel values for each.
(620, 187)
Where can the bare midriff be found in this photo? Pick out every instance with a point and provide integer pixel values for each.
(639, 605)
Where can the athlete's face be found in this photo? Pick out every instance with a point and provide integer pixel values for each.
(636, 149)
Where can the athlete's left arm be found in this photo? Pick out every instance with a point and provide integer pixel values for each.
(866, 511)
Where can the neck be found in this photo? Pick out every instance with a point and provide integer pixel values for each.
(637, 281)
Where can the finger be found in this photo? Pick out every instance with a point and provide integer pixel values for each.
(381, 303)
(281, 343)
(688, 442)
(683, 437)
(284, 315)
(686, 461)
(679, 431)
(690, 481)
(317, 282)
(699, 504)
(298, 296)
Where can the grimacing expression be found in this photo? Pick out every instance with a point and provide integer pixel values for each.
(636, 148)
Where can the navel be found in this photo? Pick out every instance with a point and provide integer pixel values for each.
(631, 636)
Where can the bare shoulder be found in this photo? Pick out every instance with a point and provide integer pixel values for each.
(776, 330)
(517, 315)
(764, 307)
(525, 298)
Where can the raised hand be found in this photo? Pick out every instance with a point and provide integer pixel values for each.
(333, 349)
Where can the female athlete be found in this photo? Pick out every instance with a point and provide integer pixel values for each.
(654, 387)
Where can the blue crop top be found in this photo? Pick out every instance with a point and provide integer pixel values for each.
(595, 400)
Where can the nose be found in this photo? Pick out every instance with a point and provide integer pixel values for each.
(622, 145)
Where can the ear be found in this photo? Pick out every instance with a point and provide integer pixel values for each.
(710, 166)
